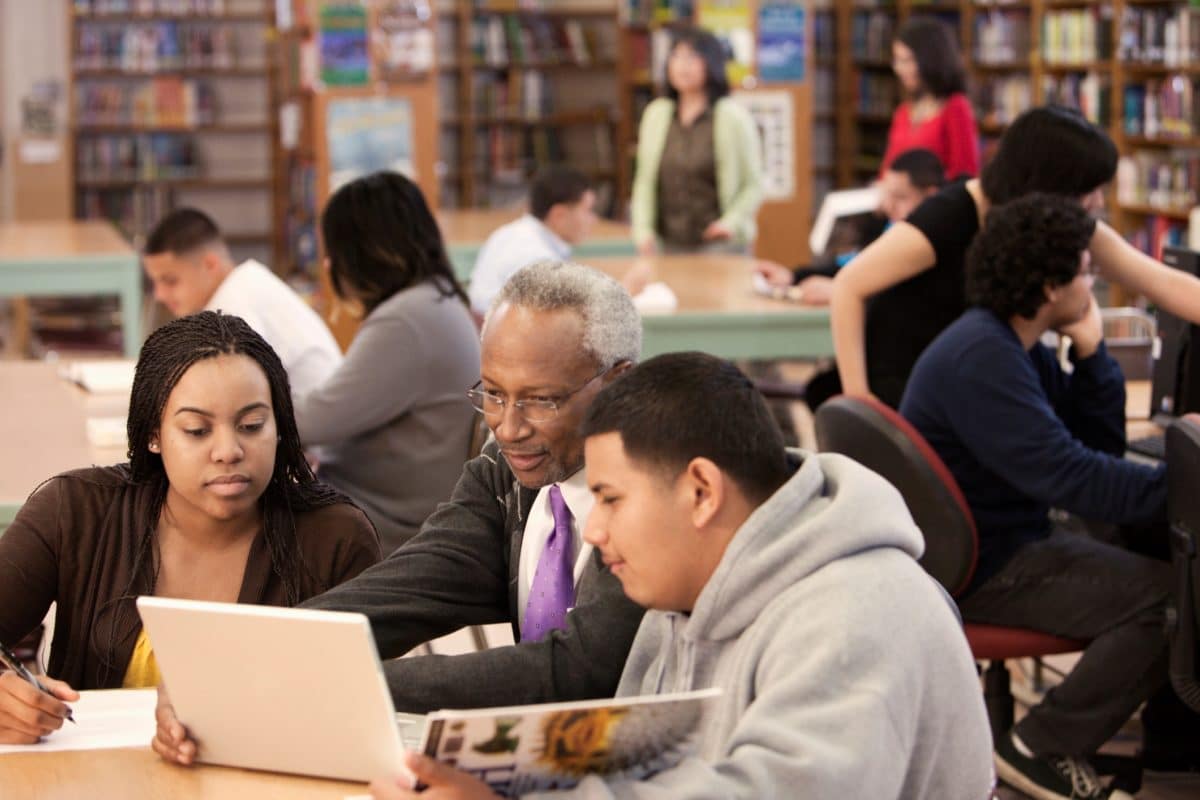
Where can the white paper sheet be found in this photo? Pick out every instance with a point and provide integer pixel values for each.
(104, 720)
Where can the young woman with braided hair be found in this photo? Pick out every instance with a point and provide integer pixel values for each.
(216, 503)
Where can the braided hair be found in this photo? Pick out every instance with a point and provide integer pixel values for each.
(167, 354)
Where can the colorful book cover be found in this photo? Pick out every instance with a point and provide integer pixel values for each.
(523, 749)
(342, 43)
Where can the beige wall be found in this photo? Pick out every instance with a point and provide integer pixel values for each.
(32, 49)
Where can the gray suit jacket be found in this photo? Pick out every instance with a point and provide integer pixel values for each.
(461, 569)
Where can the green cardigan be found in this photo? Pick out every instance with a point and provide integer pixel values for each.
(739, 167)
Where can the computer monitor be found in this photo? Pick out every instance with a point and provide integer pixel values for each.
(1175, 383)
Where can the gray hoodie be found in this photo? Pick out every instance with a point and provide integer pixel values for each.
(844, 667)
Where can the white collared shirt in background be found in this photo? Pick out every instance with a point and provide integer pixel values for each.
(511, 247)
(537, 531)
(295, 332)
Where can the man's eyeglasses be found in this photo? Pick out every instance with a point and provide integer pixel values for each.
(541, 409)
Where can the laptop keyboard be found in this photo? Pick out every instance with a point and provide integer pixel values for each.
(1152, 446)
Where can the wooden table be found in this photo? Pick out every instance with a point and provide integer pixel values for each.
(43, 428)
(73, 258)
(466, 230)
(137, 774)
(719, 313)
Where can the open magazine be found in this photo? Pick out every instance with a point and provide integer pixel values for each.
(522, 749)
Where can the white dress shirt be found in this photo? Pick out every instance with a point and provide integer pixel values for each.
(295, 332)
(539, 525)
(511, 247)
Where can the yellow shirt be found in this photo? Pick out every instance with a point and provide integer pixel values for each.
(142, 672)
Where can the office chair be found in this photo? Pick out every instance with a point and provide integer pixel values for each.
(1183, 513)
(877, 437)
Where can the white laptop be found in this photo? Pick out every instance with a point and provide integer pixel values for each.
(841, 205)
(287, 690)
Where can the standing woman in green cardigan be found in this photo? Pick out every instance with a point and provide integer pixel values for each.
(698, 182)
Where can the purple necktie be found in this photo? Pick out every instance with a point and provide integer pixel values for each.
(553, 588)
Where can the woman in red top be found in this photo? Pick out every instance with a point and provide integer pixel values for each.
(937, 115)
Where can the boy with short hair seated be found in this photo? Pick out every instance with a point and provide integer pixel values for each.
(787, 579)
(188, 262)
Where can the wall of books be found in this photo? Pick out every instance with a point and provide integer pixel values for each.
(168, 107)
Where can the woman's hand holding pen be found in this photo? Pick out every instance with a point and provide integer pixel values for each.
(171, 740)
(26, 713)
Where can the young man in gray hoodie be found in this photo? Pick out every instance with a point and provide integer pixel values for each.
(787, 579)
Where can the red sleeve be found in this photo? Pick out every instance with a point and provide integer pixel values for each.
(962, 138)
(894, 146)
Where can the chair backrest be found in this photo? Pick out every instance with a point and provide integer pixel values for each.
(877, 437)
(1183, 511)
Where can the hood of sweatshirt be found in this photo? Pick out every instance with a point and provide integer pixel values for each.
(831, 508)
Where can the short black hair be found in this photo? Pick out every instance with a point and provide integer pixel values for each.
(1051, 149)
(922, 167)
(381, 238)
(712, 52)
(935, 47)
(1026, 245)
(182, 231)
(680, 406)
(556, 184)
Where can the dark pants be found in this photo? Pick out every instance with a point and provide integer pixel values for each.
(1075, 586)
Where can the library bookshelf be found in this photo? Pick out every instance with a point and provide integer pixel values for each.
(1131, 66)
(167, 107)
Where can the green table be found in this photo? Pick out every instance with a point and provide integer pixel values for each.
(73, 258)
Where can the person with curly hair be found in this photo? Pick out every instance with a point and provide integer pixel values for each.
(1022, 436)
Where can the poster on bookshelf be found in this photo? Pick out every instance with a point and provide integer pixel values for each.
(781, 44)
(342, 44)
(773, 113)
(732, 22)
(368, 134)
(402, 40)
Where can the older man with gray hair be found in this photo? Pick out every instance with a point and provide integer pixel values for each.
(508, 546)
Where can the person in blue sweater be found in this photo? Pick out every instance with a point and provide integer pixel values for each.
(1022, 436)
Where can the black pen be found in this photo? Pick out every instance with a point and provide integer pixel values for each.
(9, 659)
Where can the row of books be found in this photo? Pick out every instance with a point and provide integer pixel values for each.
(1169, 36)
(526, 96)
(179, 8)
(502, 40)
(871, 36)
(1091, 93)
(877, 94)
(299, 222)
(1164, 108)
(824, 35)
(824, 91)
(1157, 232)
(154, 46)
(1000, 99)
(1077, 36)
(648, 53)
(646, 11)
(162, 102)
(1159, 179)
(133, 211)
(137, 157)
(1001, 38)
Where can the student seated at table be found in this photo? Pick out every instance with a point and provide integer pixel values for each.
(561, 214)
(391, 424)
(906, 287)
(189, 265)
(216, 503)
(789, 580)
(1022, 436)
(912, 177)
(556, 335)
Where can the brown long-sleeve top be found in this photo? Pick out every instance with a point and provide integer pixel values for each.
(74, 540)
